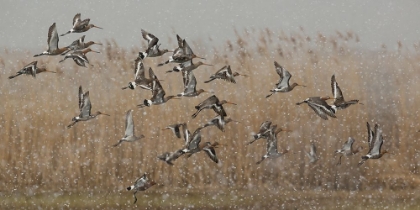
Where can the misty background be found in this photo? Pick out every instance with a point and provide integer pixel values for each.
(25, 23)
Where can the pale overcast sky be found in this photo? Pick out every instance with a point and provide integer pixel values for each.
(25, 24)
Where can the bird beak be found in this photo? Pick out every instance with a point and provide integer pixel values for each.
(199, 57)
(106, 114)
(231, 103)
(301, 85)
(205, 64)
(124, 88)
(97, 27)
(98, 43)
(51, 71)
(95, 51)
(244, 75)
(286, 130)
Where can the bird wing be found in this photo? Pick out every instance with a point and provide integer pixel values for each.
(348, 145)
(313, 150)
(371, 134)
(279, 69)
(272, 145)
(87, 106)
(324, 107)
(186, 132)
(151, 39)
(30, 68)
(180, 41)
(219, 122)
(195, 140)
(129, 123)
(211, 152)
(158, 92)
(190, 82)
(336, 91)
(81, 101)
(76, 19)
(187, 49)
(139, 70)
(220, 110)
(265, 126)
(285, 81)
(318, 110)
(210, 101)
(52, 38)
(377, 141)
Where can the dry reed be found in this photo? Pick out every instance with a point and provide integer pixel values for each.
(39, 154)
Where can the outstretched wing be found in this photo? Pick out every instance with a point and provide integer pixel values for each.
(318, 110)
(52, 38)
(336, 91)
(190, 82)
(139, 69)
(211, 152)
(129, 123)
(87, 106)
(377, 141)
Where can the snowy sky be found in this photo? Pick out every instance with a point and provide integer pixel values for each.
(25, 23)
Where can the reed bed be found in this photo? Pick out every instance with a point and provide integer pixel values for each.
(39, 154)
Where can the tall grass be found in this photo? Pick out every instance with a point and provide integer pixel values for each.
(38, 153)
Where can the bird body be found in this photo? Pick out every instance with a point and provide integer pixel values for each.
(79, 56)
(225, 73)
(320, 106)
(52, 42)
(85, 109)
(141, 184)
(339, 101)
(283, 85)
(129, 135)
(80, 25)
(31, 69)
(375, 141)
(212, 103)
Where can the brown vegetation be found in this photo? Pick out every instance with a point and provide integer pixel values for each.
(39, 154)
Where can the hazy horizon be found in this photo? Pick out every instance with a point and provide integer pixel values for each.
(25, 24)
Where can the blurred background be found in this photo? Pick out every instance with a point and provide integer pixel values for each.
(371, 47)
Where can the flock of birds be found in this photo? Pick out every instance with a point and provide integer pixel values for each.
(183, 56)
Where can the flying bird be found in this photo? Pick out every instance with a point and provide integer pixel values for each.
(31, 69)
(347, 149)
(283, 84)
(320, 106)
(129, 135)
(80, 25)
(85, 109)
(52, 42)
(79, 56)
(212, 103)
(375, 141)
(141, 184)
(339, 101)
(225, 73)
